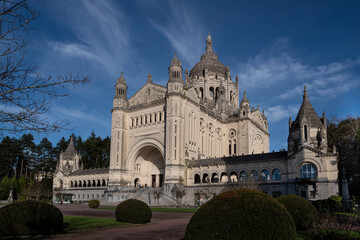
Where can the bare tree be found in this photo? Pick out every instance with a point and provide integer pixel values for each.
(157, 195)
(25, 94)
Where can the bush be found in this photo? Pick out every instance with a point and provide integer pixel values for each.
(301, 210)
(337, 199)
(94, 203)
(326, 206)
(30, 218)
(133, 211)
(241, 214)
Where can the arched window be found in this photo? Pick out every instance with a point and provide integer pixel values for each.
(305, 133)
(243, 176)
(93, 183)
(75, 184)
(60, 183)
(265, 175)
(211, 91)
(80, 185)
(234, 141)
(84, 183)
(103, 183)
(214, 178)
(254, 175)
(89, 183)
(229, 147)
(71, 184)
(233, 177)
(205, 178)
(197, 178)
(224, 177)
(98, 183)
(308, 171)
(201, 93)
(276, 175)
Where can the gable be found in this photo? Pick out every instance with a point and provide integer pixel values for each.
(148, 93)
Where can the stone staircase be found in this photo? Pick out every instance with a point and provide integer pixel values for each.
(146, 195)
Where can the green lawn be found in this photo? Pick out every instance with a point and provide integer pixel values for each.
(79, 223)
(302, 235)
(187, 210)
(347, 214)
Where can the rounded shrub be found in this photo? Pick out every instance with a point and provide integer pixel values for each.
(133, 211)
(241, 214)
(94, 203)
(301, 210)
(30, 218)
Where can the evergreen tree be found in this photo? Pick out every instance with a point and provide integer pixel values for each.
(15, 186)
(5, 187)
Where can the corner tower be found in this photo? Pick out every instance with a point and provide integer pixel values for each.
(118, 131)
(308, 129)
(174, 127)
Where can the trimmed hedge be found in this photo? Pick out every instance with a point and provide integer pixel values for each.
(133, 211)
(241, 214)
(30, 218)
(326, 206)
(94, 203)
(301, 210)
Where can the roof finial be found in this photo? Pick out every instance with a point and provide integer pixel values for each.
(71, 139)
(209, 43)
(244, 94)
(149, 80)
(305, 97)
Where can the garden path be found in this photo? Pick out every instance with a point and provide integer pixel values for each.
(164, 225)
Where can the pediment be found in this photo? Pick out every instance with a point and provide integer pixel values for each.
(148, 93)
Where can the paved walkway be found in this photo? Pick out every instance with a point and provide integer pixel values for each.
(164, 225)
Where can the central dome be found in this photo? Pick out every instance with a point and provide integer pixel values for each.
(210, 60)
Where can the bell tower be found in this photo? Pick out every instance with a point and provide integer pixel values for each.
(175, 124)
(118, 152)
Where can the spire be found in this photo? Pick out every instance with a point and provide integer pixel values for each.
(70, 150)
(305, 97)
(245, 99)
(175, 61)
(307, 111)
(121, 79)
(237, 79)
(209, 43)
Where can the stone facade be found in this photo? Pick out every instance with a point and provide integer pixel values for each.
(194, 138)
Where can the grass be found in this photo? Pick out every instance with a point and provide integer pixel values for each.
(347, 214)
(303, 235)
(79, 223)
(185, 210)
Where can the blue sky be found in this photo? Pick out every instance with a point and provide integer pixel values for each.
(274, 46)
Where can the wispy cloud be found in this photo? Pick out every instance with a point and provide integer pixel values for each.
(183, 30)
(77, 113)
(280, 112)
(101, 33)
(276, 65)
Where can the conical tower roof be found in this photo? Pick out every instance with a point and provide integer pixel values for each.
(70, 150)
(307, 111)
(244, 99)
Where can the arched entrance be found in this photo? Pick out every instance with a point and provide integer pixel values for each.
(149, 168)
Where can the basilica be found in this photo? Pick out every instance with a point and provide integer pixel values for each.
(196, 137)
